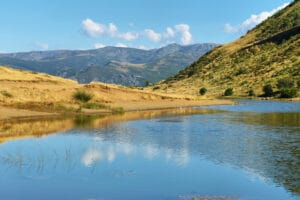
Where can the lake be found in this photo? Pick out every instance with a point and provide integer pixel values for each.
(246, 151)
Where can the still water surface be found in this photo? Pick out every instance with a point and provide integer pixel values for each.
(247, 151)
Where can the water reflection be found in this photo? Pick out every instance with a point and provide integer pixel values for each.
(163, 144)
(12, 130)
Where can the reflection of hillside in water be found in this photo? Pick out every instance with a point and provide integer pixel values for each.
(265, 145)
(11, 130)
(269, 119)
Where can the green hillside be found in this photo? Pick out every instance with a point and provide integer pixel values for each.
(266, 54)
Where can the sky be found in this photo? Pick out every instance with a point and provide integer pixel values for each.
(35, 25)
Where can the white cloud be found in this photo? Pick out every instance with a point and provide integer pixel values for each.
(170, 32)
(112, 29)
(99, 45)
(152, 35)
(186, 36)
(41, 46)
(252, 21)
(128, 36)
(178, 33)
(121, 45)
(92, 28)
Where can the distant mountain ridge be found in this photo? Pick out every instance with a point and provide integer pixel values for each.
(126, 66)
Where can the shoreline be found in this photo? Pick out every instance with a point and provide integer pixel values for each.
(13, 114)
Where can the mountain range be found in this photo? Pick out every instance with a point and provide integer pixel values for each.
(125, 66)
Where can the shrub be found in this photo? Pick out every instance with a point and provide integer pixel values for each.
(240, 71)
(268, 91)
(147, 83)
(228, 92)
(6, 94)
(298, 83)
(285, 83)
(155, 88)
(117, 110)
(288, 92)
(251, 93)
(202, 91)
(82, 96)
(93, 106)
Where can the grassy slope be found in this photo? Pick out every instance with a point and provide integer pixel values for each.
(41, 92)
(269, 52)
(25, 86)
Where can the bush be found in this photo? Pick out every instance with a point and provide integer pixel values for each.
(241, 71)
(82, 96)
(251, 93)
(285, 83)
(268, 90)
(228, 92)
(155, 88)
(117, 110)
(202, 91)
(6, 94)
(288, 92)
(298, 83)
(93, 106)
(147, 83)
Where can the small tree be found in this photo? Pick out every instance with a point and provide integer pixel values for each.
(147, 83)
(268, 90)
(82, 96)
(285, 83)
(288, 92)
(202, 91)
(228, 92)
(251, 93)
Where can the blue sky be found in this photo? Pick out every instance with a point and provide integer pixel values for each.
(86, 24)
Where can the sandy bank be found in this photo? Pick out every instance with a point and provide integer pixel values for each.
(7, 113)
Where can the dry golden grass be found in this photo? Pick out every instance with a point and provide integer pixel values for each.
(42, 92)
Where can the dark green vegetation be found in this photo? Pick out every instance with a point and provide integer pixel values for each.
(82, 96)
(45, 107)
(266, 54)
(202, 91)
(93, 106)
(251, 93)
(268, 91)
(228, 92)
(288, 92)
(285, 83)
(285, 89)
(126, 66)
(6, 94)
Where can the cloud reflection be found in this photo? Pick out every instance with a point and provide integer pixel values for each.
(90, 157)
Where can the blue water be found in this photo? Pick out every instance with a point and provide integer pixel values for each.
(250, 151)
